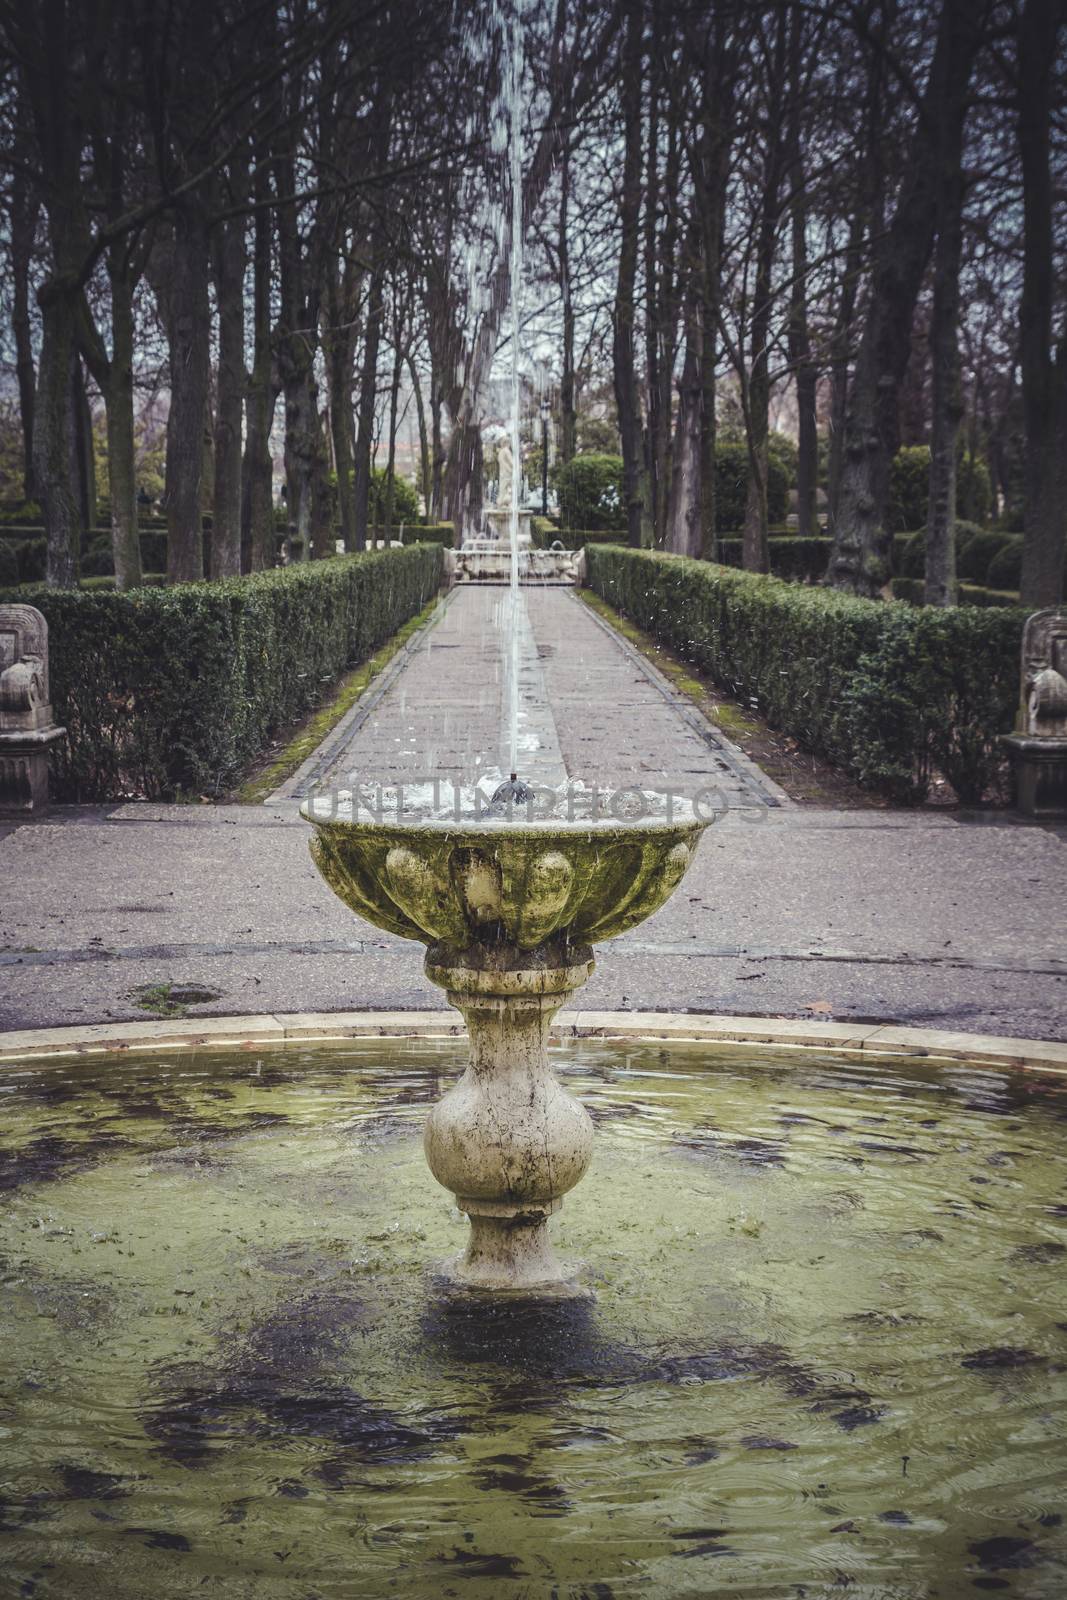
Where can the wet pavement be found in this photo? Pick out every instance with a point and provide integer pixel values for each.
(937, 919)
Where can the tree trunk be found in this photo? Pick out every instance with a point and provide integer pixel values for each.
(840, 345)
(804, 373)
(83, 452)
(947, 400)
(51, 437)
(257, 506)
(568, 419)
(437, 447)
(368, 394)
(184, 280)
(24, 209)
(711, 170)
(1044, 515)
(684, 522)
(424, 442)
(230, 261)
(394, 397)
(861, 559)
(635, 475)
(118, 400)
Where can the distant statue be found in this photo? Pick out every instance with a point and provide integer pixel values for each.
(1045, 673)
(1039, 749)
(505, 466)
(27, 731)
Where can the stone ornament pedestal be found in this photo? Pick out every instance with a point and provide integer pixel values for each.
(1040, 767)
(1038, 749)
(508, 910)
(27, 731)
(508, 1139)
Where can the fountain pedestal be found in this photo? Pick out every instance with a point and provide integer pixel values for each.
(508, 1139)
(508, 909)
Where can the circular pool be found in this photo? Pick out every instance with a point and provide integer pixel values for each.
(827, 1353)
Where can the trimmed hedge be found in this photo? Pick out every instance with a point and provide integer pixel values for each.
(731, 486)
(442, 533)
(1005, 571)
(172, 692)
(976, 553)
(913, 590)
(888, 693)
(543, 538)
(791, 556)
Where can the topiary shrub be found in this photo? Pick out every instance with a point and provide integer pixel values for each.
(9, 566)
(913, 590)
(1006, 568)
(888, 693)
(791, 556)
(974, 490)
(405, 499)
(169, 692)
(32, 559)
(909, 487)
(591, 495)
(442, 533)
(98, 561)
(731, 487)
(976, 553)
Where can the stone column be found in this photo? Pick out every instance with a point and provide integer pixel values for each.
(508, 1139)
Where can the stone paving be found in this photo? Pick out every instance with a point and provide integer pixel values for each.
(590, 709)
(949, 920)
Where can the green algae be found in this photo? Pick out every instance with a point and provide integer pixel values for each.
(819, 1351)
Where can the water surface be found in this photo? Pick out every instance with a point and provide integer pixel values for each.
(827, 1354)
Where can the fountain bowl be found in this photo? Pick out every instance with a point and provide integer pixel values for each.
(508, 910)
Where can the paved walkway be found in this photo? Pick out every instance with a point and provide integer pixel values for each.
(590, 709)
(931, 919)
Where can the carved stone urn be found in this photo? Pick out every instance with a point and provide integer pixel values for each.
(508, 911)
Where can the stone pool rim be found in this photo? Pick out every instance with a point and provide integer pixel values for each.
(271, 1030)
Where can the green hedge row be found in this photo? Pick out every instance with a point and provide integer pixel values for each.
(970, 594)
(986, 556)
(442, 533)
(542, 537)
(173, 692)
(887, 693)
(791, 556)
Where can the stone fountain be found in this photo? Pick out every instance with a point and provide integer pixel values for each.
(508, 910)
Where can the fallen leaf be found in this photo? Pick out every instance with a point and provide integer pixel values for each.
(821, 1008)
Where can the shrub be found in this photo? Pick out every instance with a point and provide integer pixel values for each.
(909, 549)
(24, 513)
(544, 537)
(886, 692)
(913, 590)
(909, 487)
(9, 566)
(174, 691)
(442, 533)
(405, 499)
(791, 556)
(1006, 568)
(590, 491)
(731, 487)
(32, 559)
(783, 449)
(976, 553)
(98, 562)
(974, 489)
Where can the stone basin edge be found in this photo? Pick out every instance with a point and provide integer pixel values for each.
(301, 1027)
